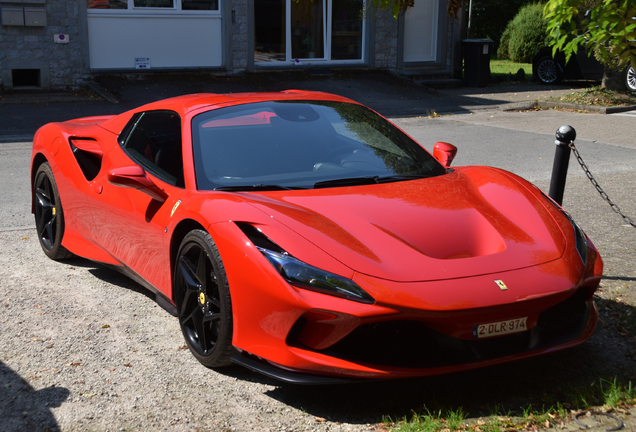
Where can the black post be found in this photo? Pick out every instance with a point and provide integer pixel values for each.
(564, 136)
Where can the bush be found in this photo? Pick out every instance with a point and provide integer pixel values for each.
(489, 17)
(502, 51)
(525, 34)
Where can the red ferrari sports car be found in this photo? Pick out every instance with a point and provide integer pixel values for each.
(304, 236)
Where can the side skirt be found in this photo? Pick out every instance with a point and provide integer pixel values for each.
(160, 297)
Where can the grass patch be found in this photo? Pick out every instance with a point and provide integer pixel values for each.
(611, 394)
(598, 96)
(430, 422)
(505, 67)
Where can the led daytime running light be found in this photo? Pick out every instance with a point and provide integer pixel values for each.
(303, 275)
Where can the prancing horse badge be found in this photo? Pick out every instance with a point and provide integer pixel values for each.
(501, 285)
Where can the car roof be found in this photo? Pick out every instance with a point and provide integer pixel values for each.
(194, 102)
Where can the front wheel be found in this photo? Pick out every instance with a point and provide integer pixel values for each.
(203, 300)
(49, 217)
(548, 71)
(630, 79)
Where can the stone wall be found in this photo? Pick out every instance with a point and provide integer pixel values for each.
(33, 47)
(238, 19)
(386, 40)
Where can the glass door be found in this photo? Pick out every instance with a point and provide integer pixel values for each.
(308, 30)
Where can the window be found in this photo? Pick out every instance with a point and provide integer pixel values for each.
(186, 5)
(154, 3)
(301, 144)
(153, 139)
(312, 30)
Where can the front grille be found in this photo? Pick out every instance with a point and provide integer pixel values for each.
(564, 315)
(412, 344)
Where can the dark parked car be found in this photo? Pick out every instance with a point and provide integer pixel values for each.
(550, 70)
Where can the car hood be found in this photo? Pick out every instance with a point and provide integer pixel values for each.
(472, 221)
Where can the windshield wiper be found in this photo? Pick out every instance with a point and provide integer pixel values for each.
(256, 187)
(355, 181)
(351, 181)
(398, 177)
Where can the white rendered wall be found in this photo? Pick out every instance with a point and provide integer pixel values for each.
(169, 41)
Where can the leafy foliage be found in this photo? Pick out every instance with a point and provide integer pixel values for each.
(490, 17)
(502, 51)
(397, 6)
(400, 6)
(524, 34)
(609, 26)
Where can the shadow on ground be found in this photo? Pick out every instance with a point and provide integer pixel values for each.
(22, 408)
(572, 376)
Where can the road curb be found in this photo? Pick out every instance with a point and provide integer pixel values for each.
(519, 106)
(7, 139)
(93, 86)
(582, 107)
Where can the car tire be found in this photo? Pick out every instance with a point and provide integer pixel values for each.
(630, 79)
(202, 296)
(49, 216)
(548, 71)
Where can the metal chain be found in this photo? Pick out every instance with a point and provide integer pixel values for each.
(600, 190)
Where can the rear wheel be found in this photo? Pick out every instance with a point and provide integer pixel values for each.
(548, 70)
(203, 300)
(630, 79)
(49, 217)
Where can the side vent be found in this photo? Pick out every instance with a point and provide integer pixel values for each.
(88, 155)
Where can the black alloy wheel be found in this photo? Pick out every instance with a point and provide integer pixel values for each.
(203, 301)
(49, 217)
(630, 79)
(548, 70)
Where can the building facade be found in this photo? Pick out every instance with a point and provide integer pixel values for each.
(58, 44)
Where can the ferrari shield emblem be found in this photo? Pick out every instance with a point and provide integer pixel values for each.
(501, 285)
(202, 298)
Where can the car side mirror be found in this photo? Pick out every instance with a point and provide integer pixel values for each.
(444, 153)
(135, 177)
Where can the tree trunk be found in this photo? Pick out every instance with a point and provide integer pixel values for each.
(612, 80)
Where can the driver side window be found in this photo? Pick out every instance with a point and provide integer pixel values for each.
(154, 140)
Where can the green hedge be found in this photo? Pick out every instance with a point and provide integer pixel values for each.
(489, 17)
(524, 35)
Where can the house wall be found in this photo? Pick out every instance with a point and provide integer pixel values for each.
(33, 47)
(240, 31)
(385, 40)
(66, 66)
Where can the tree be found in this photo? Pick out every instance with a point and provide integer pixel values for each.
(400, 6)
(606, 28)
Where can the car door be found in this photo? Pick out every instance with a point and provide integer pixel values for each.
(135, 193)
(589, 66)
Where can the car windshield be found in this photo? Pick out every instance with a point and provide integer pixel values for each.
(280, 145)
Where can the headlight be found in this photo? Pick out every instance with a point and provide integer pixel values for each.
(302, 275)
